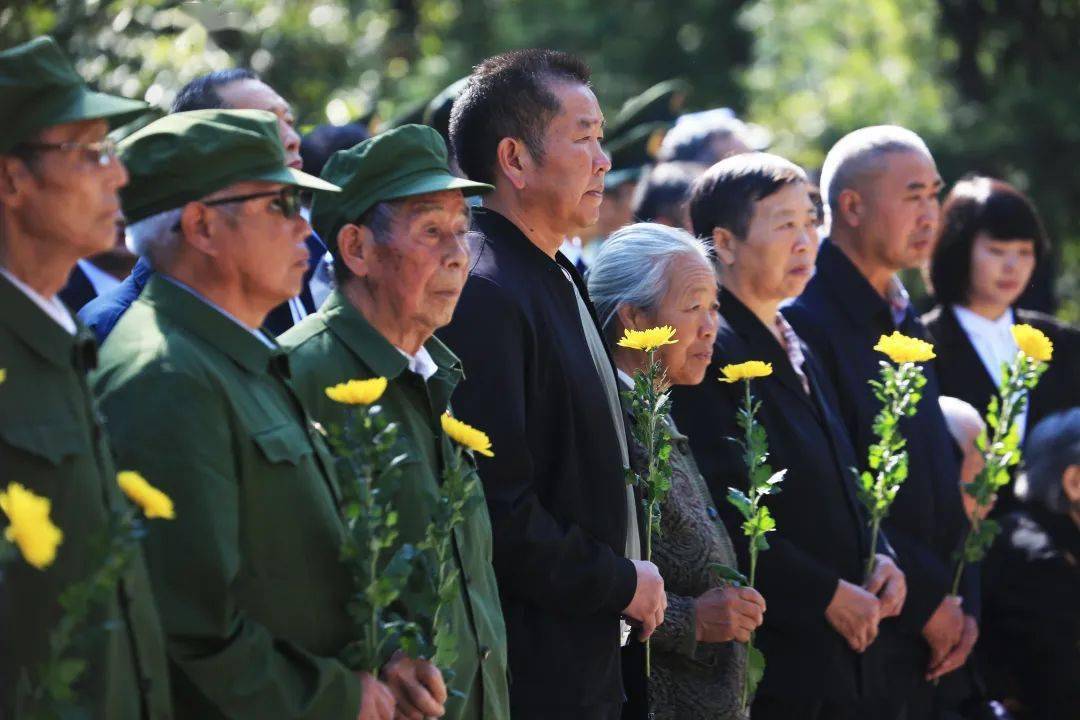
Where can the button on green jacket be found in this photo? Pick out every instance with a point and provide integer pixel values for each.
(248, 578)
(52, 443)
(337, 344)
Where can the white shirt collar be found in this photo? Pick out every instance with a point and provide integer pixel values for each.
(100, 280)
(626, 379)
(974, 322)
(421, 363)
(52, 307)
(256, 332)
(993, 343)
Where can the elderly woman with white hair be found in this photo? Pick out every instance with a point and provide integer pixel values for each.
(1031, 613)
(647, 275)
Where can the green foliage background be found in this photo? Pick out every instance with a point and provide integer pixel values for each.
(991, 84)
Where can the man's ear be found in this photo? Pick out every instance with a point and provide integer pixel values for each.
(513, 158)
(356, 247)
(632, 318)
(196, 222)
(851, 208)
(14, 174)
(724, 246)
(1070, 481)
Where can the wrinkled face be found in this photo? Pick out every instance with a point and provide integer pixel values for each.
(690, 306)
(66, 196)
(568, 184)
(776, 259)
(1000, 270)
(902, 210)
(259, 248)
(418, 275)
(257, 95)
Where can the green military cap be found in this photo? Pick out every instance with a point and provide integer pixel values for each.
(39, 88)
(188, 155)
(399, 163)
(661, 103)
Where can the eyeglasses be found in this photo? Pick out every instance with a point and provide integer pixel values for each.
(287, 201)
(101, 152)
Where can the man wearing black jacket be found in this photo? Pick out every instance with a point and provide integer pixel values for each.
(881, 187)
(539, 379)
(757, 210)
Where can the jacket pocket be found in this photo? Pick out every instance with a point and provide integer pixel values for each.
(52, 441)
(283, 444)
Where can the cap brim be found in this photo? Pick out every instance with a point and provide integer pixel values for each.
(90, 105)
(296, 178)
(434, 182)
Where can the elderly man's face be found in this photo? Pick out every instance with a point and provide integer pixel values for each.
(66, 196)
(775, 260)
(902, 210)
(257, 95)
(568, 185)
(418, 275)
(259, 250)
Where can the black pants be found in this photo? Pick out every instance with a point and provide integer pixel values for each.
(594, 712)
(784, 708)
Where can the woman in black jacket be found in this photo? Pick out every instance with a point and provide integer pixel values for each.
(990, 244)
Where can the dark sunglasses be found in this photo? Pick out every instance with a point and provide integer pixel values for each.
(287, 201)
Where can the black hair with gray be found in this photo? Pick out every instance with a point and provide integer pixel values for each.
(509, 95)
(202, 92)
(632, 269)
(724, 196)
(1051, 448)
(664, 190)
(379, 219)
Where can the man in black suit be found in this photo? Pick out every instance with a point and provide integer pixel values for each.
(236, 89)
(881, 187)
(757, 210)
(540, 380)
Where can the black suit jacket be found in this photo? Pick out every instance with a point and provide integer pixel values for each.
(964, 376)
(822, 535)
(556, 486)
(280, 318)
(78, 291)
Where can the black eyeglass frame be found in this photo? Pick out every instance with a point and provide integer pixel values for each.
(289, 199)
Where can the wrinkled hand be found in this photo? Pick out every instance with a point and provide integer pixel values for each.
(889, 585)
(376, 700)
(854, 612)
(417, 685)
(650, 600)
(944, 628)
(728, 613)
(959, 654)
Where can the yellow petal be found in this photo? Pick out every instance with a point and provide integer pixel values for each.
(3, 375)
(30, 527)
(357, 392)
(154, 503)
(746, 371)
(1033, 342)
(648, 340)
(903, 349)
(466, 435)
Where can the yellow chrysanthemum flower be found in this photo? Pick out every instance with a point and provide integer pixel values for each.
(3, 375)
(648, 340)
(746, 371)
(1033, 343)
(357, 392)
(30, 527)
(154, 503)
(903, 349)
(466, 435)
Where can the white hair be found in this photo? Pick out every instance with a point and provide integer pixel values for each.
(632, 268)
(962, 419)
(153, 236)
(860, 152)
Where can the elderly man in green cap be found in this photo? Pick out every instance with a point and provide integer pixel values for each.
(59, 178)
(397, 235)
(249, 580)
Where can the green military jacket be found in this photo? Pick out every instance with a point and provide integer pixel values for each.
(337, 344)
(248, 578)
(52, 442)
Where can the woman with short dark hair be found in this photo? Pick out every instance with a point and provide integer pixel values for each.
(990, 243)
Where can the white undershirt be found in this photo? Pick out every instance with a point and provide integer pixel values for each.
(993, 343)
(421, 363)
(52, 307)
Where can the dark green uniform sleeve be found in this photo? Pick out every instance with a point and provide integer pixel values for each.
(182, 444)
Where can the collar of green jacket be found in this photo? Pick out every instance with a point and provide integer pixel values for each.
(385, 360)
(224, 333)
(42, 334)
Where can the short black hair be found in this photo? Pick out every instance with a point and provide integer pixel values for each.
(724, 196)
(979, 204)
(509, 95)
(202, 92)
(324, 140)
(664, 190)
